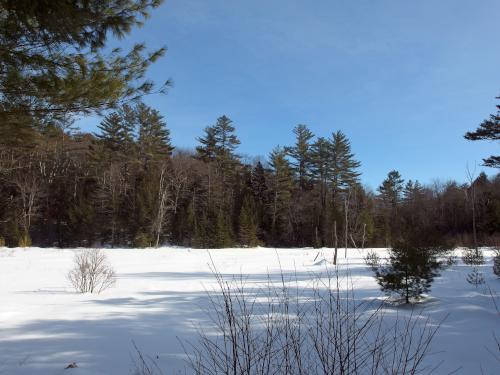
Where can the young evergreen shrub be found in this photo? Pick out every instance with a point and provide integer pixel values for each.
(475, 277)
(473, 257)
(410, 271)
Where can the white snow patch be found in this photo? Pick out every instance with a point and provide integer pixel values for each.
(160, 295)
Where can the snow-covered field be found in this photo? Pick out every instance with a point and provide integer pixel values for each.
(160, 296)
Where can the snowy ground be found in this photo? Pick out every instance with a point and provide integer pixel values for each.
(160, 296)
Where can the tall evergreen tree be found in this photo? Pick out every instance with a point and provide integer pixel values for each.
(225, 138)
(223, 237)
(281, 190)
(226, 143)
(391, 188)
(412, 190)
(219, 144)
(154, 137)
(343, 167)
(301, 154)
(207, 150)
(114, 133)
(260, 195)
(321, 161)
(390, 194)
(258, 181)
(248, 226)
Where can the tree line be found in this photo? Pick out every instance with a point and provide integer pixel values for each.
(126, 185)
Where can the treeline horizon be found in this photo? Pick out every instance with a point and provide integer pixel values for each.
(127, 186)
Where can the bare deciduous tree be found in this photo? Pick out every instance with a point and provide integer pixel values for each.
(471, 195)
(163, 204)
(112, 186)
(27, 181)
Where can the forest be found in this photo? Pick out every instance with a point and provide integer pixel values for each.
(127, 186)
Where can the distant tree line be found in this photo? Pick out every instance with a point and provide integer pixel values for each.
(126, 185)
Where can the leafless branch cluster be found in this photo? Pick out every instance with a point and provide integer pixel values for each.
(92, 272)
(319, 329)
(145, 365)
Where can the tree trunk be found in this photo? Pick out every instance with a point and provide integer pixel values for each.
(336, 242)
(364, 236)
(346, 229)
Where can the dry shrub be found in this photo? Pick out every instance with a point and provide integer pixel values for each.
(144, 364)
(92, 272)
(318, 329)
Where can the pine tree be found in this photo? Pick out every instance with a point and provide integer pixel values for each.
(258, 181)
(260, 193)
(415, 258)
(301, 154)
(280, 189)
(218, 145)
(413, 202)
(320, 168)
(321, 161)
(343, 167)
(223, 234)
(202, 234)
(410, 271)
(114, 133)
(488, 130)
(154, 137)
(225, 138)
(226, 144)
(412, 191)
(390, 194)
(391, 188)
(52, 65)
(248, 227)
(207, 150)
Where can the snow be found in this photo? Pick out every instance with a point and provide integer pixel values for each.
(160, 297)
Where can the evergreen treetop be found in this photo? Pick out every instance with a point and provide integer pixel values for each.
(114, 132)
(301, 154)
(391, 188)
(153, 135)
(488, 130)
(343, 167)
(219, 141)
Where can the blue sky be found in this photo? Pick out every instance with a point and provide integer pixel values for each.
(404, 80)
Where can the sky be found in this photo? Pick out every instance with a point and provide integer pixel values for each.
(403, 80)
